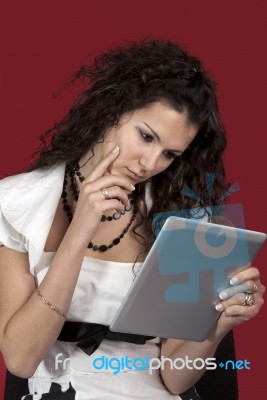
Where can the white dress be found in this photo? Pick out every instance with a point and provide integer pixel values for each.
(27, 206)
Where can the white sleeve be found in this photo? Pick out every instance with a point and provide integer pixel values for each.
(9, 237)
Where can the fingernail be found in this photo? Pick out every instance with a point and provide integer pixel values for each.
(116, 149)
(234, 281)
(219, 307)
(132, 186)
(223, 295)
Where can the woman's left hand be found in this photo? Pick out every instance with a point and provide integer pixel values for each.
(241, 301)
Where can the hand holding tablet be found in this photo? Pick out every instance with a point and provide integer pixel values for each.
(190, 263)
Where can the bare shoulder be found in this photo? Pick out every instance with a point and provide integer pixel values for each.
(16, 284)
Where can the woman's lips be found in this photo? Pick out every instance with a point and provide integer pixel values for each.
(133, 175)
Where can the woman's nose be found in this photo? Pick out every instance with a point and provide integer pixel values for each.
(149, 161)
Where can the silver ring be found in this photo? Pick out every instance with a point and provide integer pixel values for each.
(249, 300)
(105, 192)
(255, 288)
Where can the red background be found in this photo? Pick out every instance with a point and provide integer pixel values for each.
(42, 43)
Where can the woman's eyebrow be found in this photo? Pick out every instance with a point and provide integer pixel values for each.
(158, 138)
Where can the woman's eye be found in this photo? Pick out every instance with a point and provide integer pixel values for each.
(145, 136)
(169, 155)
(149, 138)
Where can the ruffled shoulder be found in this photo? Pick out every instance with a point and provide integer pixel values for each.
(28, 203)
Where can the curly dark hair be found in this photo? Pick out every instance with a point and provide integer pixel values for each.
(131, 77)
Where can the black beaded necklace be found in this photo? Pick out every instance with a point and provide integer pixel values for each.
(66, 207)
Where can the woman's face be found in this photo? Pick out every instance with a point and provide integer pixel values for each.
(149, 140)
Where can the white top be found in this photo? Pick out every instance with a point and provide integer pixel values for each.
(28, 204)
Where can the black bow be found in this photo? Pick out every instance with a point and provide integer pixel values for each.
(89, 335)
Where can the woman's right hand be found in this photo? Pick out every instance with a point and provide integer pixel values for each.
(92, 203)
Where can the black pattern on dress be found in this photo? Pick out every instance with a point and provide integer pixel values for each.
(16, 388)
(55, 393)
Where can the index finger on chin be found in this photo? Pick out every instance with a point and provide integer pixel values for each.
(101, 167)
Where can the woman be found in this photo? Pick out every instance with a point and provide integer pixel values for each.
(77, 226)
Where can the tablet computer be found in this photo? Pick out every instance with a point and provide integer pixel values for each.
(177, 287)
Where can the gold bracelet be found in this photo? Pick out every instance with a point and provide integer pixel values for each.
(53, 308)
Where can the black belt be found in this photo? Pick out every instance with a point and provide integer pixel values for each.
(89, 335)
